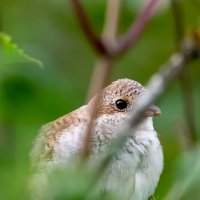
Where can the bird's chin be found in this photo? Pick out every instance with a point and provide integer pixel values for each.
(146, 124)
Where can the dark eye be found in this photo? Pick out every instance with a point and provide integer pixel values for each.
(121, 104)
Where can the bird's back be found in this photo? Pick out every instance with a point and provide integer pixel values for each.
(52, 135)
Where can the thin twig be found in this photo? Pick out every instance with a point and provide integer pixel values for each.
(184, 135)
(137, 28)
(103, 67)
(87, 28)
(187, 93)
(185, 77)
(108, 35)
(124, 43)
(179, 21)
(112, 20)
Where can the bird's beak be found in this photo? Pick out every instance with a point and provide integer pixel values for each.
(152, 111)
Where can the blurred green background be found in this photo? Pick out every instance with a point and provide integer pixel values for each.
(30, 96)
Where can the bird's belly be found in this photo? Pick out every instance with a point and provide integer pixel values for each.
(135, 176)
(147, 176)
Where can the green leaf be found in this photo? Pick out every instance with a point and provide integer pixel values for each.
(10, 53)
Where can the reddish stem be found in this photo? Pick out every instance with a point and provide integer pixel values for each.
(87, 28)
(137, 28)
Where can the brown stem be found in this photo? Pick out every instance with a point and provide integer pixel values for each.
(110, 48)
(108, 35)
(186, 88)
(103, 67)
(136, 29)
(179, 21)
(87, 28)
(112, 20)
(185, 77)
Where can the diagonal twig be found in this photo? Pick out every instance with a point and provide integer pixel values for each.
(112, 20)
(103, 67)
(179, 21)
(108, 35)
(87, 28)
(188, 100)
(185, 78)
(136, 29)
(128, 40)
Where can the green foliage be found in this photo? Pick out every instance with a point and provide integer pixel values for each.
(74, 182)
(10, 53)
(30, 97)
(187, 179)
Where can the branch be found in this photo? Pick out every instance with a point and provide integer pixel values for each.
(103, 67)
(185, 79)
(178, 21)
(87, 28)
(112, 20)
(107, 47)
(108, 35)
(136, 29)
(187, 94)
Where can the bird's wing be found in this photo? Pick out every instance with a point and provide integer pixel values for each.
(50, 133)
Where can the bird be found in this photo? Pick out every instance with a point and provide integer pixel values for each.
(136, 171)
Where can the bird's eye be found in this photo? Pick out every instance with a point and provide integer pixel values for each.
(121, 104)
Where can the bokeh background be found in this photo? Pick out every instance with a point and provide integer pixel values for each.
(30, 96)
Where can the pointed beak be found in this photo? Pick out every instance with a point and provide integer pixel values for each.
(152, 111)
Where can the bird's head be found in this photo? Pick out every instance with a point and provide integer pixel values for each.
(114, 106)
(121, 97)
